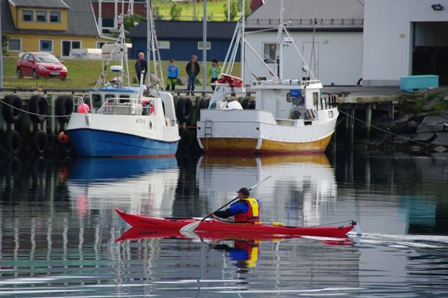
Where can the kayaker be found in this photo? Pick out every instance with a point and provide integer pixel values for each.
(244, 210)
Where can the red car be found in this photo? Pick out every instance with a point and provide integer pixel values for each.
(41, 64)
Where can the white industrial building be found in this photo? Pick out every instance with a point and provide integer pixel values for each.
(377, 40)
(404, 37)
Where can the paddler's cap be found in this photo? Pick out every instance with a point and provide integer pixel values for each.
(244, 191)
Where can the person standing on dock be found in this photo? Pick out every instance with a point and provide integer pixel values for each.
(141, 66)
(245, 210)
(173, 73)
(192, 70)
(214, 71)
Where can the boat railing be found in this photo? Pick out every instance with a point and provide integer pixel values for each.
(121, 106)
(327, 101)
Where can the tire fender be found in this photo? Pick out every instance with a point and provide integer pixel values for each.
(12, 109)
(39, 141)
(12, 142)
(38, 108)
(185, 139)
(184, 109)
(64, 108)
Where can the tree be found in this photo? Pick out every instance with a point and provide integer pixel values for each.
(129, 21)
(175, 12)
(233, 9)
(4, 42)
(247, 9)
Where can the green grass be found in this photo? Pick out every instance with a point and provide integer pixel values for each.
(216, 9)
(82, 74)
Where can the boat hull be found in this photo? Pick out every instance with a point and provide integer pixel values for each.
(97, 143)
(232, 228)
(260, 133)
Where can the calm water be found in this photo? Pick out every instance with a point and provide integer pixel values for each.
(59, 231)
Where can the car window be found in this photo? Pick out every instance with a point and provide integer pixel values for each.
(25, 57)
(47, 59)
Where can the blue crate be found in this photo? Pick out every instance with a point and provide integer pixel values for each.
(418, 82)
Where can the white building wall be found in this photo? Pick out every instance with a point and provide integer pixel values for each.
(388, 39)
(338, 56)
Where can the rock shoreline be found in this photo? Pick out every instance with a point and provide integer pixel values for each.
(420, 125)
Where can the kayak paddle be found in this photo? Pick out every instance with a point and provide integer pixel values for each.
(191, 226)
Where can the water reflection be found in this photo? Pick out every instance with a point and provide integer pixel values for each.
(300, 190)
(136, 185)
(54, 245)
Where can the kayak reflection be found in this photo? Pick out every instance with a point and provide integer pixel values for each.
(139, 233)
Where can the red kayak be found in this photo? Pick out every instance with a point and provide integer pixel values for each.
(214, 225)
(139, 233)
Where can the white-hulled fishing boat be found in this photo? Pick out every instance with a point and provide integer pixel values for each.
(285, 116)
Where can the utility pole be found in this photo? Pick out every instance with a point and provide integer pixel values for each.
(204, 46)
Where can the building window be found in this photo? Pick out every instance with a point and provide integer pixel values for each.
(15, 45)
(200, 45)
(45, 45)
(41, 16)
(269, 52)
(67, 45)
(55, 16)
(28, 16)
(164, 44)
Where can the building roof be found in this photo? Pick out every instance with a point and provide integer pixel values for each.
(81, 20)
(38, 3)
(185, 30)
(306, 14)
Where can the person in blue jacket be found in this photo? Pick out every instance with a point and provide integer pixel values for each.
(245, 210)
(173, 73)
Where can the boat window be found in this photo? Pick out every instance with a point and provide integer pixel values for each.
(109, 96)
(269, 51)
(96, 100)
(316, 98)
(124, 100)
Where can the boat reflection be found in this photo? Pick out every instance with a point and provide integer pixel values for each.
(134, 184)
(302, 187)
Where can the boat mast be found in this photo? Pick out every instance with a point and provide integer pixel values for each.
(280, 43)
(152, 47)
(119, 51)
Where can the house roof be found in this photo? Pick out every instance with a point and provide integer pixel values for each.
(81, 20)
(38, 4)
(306, 14)
(185, 30)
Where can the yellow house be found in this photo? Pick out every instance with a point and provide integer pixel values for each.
(54, 26)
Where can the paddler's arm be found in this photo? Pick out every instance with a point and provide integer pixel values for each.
(223, 214)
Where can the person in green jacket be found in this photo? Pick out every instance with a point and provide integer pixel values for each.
(214, 72)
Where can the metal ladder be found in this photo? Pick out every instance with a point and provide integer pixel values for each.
(208, 124)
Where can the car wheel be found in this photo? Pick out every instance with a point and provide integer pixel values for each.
(35, 74)
(19, 73)
(64, 78)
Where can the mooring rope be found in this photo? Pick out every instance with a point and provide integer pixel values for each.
(30, 113)
(388, 132)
